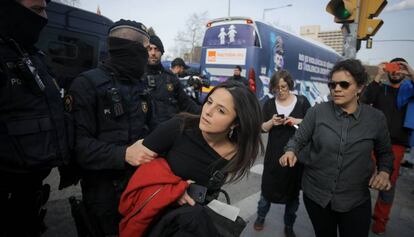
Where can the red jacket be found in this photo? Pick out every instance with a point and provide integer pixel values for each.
(152, 187)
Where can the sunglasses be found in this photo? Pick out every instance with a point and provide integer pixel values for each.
(343, 84)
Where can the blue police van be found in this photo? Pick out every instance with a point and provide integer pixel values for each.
(74, 41)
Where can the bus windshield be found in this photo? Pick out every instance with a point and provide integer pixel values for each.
(230, 35)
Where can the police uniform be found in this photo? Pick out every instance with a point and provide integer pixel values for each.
(168, 94)
(32, 136)
(111, 113)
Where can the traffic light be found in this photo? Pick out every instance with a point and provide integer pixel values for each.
(343, 10)
(367, 26)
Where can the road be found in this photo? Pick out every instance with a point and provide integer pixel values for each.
(244, 194)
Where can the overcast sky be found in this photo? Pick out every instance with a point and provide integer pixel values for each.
(167, 17)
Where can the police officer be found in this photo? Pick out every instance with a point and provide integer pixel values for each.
(111, 111)
(165, 88)
(238, 77)
(178, 66)
(32, 130)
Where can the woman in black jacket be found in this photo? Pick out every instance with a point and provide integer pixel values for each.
(225, 138)
(281, 114)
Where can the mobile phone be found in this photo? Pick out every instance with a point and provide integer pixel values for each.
(392, 67)
(197, 192)
(280, 115)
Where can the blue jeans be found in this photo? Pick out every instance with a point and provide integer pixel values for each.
(291, 207)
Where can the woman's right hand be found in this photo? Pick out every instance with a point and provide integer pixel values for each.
(380, 73)
(185, 198)
(289, 158)
(138, 154)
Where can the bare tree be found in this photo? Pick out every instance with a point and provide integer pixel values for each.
(151, 31)
(280, 25)
(188, 40)
(69, 2)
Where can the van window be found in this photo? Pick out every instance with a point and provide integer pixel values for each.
(62, 50)
(69, 53)
(228, 35)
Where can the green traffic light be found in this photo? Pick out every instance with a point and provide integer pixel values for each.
(340, 11)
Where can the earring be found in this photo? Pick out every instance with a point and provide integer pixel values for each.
(231, 132)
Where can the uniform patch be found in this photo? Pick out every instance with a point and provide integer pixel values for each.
(170, 87)
(144, 106)
(68, 102)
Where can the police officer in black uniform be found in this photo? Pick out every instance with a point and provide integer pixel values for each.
(111, 110)
(165, 88)
(32, 130)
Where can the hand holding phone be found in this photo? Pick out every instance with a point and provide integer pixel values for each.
(282, 116)
(197, 192)
(392, 67)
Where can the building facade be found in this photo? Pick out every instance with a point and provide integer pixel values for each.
(333, 39)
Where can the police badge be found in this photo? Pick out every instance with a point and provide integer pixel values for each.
(144, 106)
(170, 87)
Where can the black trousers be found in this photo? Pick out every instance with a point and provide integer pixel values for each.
(326, 222)
(101, 195)
(20, 202)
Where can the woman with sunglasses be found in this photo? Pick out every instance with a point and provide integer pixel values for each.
(282, 115)
(342, 133)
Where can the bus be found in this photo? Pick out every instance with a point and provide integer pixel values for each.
(261, 50)
(74, 41)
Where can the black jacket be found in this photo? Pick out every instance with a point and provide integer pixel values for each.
(110, 114)
(239, 79)
(185, 221)
(32, 128)
(168, 94)
(384, 98)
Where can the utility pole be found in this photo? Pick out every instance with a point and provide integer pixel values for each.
(350, 32)
(358, 23)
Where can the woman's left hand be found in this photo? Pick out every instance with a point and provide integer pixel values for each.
(380, 181)
(291, 121)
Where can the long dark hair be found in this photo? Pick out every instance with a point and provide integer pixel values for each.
(246, 136)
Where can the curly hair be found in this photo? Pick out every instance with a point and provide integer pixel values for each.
(354, 67)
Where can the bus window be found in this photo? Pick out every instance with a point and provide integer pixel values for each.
(257, 40)
(228, 35)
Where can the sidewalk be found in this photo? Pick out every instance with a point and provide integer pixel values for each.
(401, 223)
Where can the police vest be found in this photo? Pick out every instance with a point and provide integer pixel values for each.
(32, 127)
(163, 89)
(123, 107)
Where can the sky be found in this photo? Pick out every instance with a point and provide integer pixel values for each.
(168, 17)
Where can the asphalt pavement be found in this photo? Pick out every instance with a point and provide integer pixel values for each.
(245, 194)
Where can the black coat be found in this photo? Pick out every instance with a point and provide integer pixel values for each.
(185, 221)
(168, 94)
(281, 184)
(32, 128)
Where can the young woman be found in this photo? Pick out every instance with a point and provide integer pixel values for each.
(281, 114)
(225, 137)
(342, 134)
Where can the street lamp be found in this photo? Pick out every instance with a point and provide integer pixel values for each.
(273, 8)
(228, 9)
